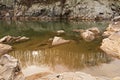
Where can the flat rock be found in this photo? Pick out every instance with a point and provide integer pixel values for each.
(12, 39)
(59, 40)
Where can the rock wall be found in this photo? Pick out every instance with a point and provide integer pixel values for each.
(70, 9)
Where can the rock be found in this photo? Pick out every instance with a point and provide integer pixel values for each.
(70, 76)
(115, 19)
(116, 78)
(59, 40)
(88, 35)
(12, 39)
(111, 45)
(10, 68)
(60, 32)
(95, 30)
(4, 48)
(112, 28)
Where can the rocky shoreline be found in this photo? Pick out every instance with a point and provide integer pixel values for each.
(10, 67)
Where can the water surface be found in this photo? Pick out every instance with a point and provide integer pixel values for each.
(37, 55)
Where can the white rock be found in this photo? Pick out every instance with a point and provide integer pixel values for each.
(59, 40)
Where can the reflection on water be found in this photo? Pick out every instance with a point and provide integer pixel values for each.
(75, 56)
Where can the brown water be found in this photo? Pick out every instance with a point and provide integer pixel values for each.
(37, 55)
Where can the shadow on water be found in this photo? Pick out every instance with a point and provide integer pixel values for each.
(75, 56)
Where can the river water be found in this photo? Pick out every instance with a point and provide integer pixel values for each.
(36, 55)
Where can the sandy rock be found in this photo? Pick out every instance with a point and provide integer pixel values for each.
(4, 48)
(12, 39)
(117, 18)
(59, 40)
(10, 69)
(70, 76)
(88, 36)
(112, 28)
(95, 30)
(111, 45)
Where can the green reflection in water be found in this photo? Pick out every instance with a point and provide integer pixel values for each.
(74, 56)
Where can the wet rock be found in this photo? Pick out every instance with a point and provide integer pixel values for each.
(12, 39)
(88, 35)
(111, 45)
(60, 32)
(70, 76)
(112, 28)
(10, 68)
(59, 40)
(95, 30)
(4, 48)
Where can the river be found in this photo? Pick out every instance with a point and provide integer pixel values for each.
(36, 55)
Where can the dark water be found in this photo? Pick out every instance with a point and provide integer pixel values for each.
(36, 55)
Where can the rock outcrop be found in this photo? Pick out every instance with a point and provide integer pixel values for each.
(10, 68)
(112, 28)
(11, 39)
(70, 9)
(111, 45)
(4, 48)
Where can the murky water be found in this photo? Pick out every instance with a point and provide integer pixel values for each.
(36, 55)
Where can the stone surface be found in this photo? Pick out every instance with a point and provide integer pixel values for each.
(4, 48)
(10, 68)
(111, 45)
(71, 76)
(112, 28)
(12, 39)
(59, 40)
(88, 35)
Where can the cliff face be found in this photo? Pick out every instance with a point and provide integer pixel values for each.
(71, 9)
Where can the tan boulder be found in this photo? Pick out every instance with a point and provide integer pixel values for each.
(88, 35)
(111, 45)
(112, 28)
(4, 48)
(10, 68)
(59, 40)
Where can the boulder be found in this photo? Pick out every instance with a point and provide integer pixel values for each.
(112, 28)
(111, 45)
(59, 40)
(88, 35)
(12, 39)
(95, 30)
(10, 68)
(4, 48)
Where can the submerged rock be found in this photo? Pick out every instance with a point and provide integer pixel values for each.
(111, 45)
(12, 39)
(4, 48)
(10, 68)
(59, 40)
